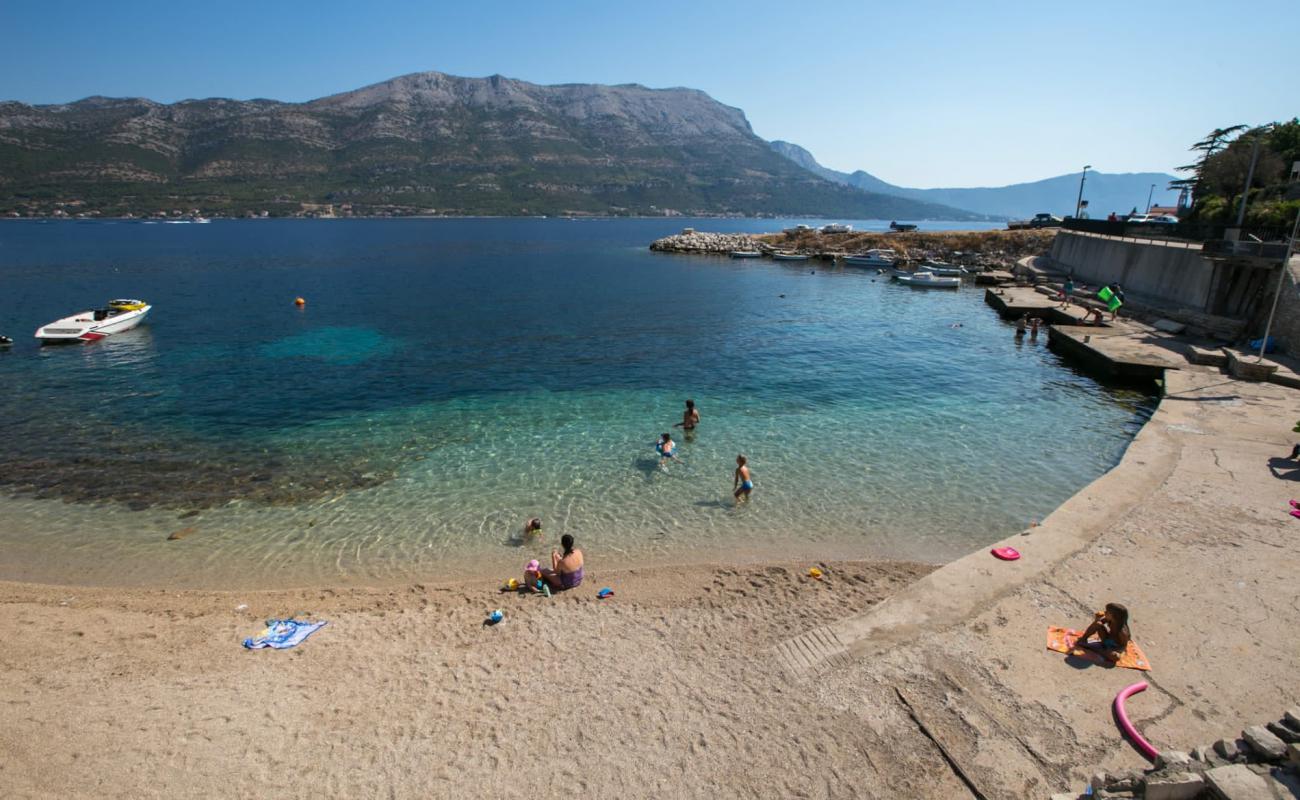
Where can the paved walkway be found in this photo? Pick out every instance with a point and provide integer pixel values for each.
(1190, 531)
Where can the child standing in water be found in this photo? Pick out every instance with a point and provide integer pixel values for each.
(667, 449)
(742, 483)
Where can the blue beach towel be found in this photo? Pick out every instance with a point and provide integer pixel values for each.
(282, 633)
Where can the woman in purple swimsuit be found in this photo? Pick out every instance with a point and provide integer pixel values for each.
(566, 569)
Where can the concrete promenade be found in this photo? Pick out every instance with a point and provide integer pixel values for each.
(1191, 531)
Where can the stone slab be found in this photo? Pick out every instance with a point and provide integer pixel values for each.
(1263, 742)
(1209, 356)
(1178, 786)
(1237, 782)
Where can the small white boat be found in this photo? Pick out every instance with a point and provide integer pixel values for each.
(836, 227)
(790, 257)
(200, 220)
(872, 258)
(5, 341)
(90, 326)
(745, 254)
(927, 279)
(942, 270)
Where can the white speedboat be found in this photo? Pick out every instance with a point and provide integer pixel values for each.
(790, 257)
(90, 326)
(836, 227)
(872, 258)
(927, 279)
(745, 254)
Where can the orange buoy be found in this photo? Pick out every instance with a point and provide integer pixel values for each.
(298, 301)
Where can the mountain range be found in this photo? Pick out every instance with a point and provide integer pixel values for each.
(432, 143)
(421, 143)
(1105, 192)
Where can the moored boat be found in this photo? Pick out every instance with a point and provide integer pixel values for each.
(89, 326)
(925, 279)
(872, 258)
(941, 269)
(745, 254)
(790, 256)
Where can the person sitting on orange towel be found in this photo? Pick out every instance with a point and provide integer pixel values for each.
(1111, 626)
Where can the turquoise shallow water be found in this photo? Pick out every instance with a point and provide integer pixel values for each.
(450, 378)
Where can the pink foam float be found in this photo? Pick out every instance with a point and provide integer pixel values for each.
(1006, 553)
(1121, 717)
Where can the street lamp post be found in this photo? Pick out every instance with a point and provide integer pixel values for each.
(1286, 267)
(1149, 194)
(1078, 204)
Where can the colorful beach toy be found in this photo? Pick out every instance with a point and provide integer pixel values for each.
(1006, 553)
(496, 616)
(814, 573)
(1126, 727)
(603, 593)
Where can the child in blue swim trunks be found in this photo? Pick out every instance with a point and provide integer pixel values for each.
(742, 483)
(666, 448)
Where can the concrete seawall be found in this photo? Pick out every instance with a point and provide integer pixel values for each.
(1169, 273)
(1174, 274)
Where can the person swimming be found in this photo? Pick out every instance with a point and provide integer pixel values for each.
(533, 527)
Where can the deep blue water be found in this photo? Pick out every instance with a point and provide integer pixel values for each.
(448, 378)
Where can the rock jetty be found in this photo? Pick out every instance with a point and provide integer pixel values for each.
(1264, 762)
(692, 241)
(977, 251)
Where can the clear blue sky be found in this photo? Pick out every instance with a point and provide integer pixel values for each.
(917, 93)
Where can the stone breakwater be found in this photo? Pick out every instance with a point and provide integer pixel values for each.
(690, 241)
(976, 250)
(1264, 762)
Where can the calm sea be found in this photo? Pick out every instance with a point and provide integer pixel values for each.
(448, 379)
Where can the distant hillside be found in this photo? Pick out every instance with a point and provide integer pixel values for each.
(422, 143)
(1105, 192)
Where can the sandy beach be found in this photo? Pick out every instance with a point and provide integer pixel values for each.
(705, 681)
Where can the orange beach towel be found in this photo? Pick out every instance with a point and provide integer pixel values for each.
(1061, 640)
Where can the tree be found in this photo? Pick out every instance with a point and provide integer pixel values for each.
(1215, 141)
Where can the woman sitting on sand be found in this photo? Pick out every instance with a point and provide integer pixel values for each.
(566, 569)
(1112, 626)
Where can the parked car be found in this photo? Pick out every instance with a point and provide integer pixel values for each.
(1040, 220)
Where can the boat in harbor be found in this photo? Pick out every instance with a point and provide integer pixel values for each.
(925, 279)
(836, 227)
(744, 254)
(872, 258)
(778, 256)
(901, 227)
(942, 269)
(5, 341)
(89, 326)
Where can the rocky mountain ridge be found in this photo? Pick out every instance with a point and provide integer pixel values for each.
(421, 143)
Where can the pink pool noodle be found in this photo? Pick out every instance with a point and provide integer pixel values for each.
(1143, 746)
